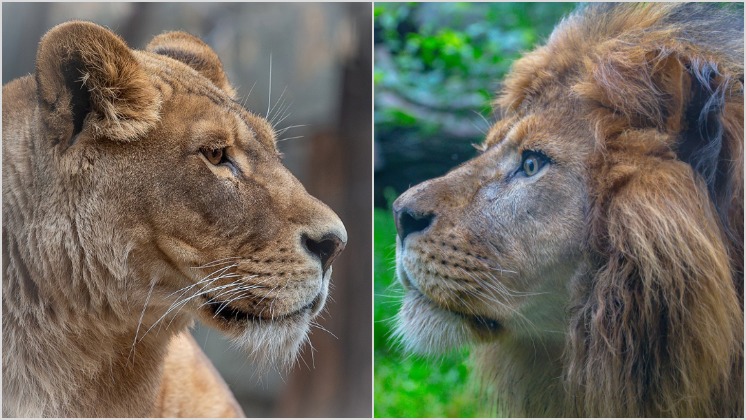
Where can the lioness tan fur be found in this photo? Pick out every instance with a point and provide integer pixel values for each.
(138, 196)
(592, 254)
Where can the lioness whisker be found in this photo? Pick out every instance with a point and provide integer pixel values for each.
(139, 322)
(269, 100)
(289, 138)
(281, 114)
(217, 262)
(246, 98)
(276, 106)
(285, 113)
(317, 325)
(283, 130)
(208, 278)
(180, 304)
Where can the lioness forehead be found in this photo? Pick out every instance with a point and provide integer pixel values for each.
(173, 78)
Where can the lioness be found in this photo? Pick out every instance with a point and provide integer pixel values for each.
(592, 254)
(138, 195)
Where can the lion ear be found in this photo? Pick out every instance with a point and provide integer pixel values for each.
(689, 97)
(711, 141)
(193, 52)
(662, 319)
(88, 79)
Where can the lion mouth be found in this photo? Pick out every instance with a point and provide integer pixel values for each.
(230, 314)
(482, 325)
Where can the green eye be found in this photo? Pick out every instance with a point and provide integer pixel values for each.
(532, 162)
(530, 166)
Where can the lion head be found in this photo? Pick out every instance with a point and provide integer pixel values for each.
(138, 192)
(593, 252)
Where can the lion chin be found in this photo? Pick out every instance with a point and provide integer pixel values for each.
(426, 328)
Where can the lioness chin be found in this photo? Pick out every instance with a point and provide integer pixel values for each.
(592, 254)
(138, 196)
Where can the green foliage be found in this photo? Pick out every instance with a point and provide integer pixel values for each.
(449, 56)
(408, 386)
(437, 69)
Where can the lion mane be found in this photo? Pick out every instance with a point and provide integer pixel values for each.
(659, 328)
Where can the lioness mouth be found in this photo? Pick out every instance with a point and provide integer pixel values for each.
(228, 313)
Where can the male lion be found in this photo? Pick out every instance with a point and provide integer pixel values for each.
(138, 196)
(592, 254)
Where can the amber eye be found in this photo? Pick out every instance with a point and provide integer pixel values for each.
(215, 156)
(532, 162)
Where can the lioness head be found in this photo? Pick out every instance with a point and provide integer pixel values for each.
(175, 194)
(598, 237)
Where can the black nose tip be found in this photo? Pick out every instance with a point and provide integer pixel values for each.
(408, 222)
(326, 249)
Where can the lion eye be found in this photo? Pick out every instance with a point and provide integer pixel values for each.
(532, 162)
(215, 156)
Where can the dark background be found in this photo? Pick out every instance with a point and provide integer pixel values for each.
(321, 58)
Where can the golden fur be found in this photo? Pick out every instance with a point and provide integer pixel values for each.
(609, 281)
(137, 197)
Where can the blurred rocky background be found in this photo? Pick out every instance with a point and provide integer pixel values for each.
(320, 80)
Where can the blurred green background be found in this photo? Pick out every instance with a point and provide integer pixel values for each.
(436, 71)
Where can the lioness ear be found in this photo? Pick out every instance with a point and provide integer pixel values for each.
(662, 316)
(87, 78)
(191, 51)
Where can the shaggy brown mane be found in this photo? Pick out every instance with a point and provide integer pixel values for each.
(657, 329)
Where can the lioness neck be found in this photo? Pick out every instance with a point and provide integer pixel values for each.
(68, 346)
(61, 361)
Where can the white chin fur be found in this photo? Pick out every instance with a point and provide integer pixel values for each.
(426, 329)
(274, 344)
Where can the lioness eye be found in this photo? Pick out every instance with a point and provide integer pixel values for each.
(532, 162)
(215, 156)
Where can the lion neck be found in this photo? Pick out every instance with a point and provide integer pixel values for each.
(526, 376)
(527, 369)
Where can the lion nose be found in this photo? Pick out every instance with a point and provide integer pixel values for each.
(409, 221)
(326, 248)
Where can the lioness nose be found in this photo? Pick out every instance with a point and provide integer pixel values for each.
(326, 248)
(408, 221)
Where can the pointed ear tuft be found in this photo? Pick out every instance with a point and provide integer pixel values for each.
(193, 52)
(87, 78)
